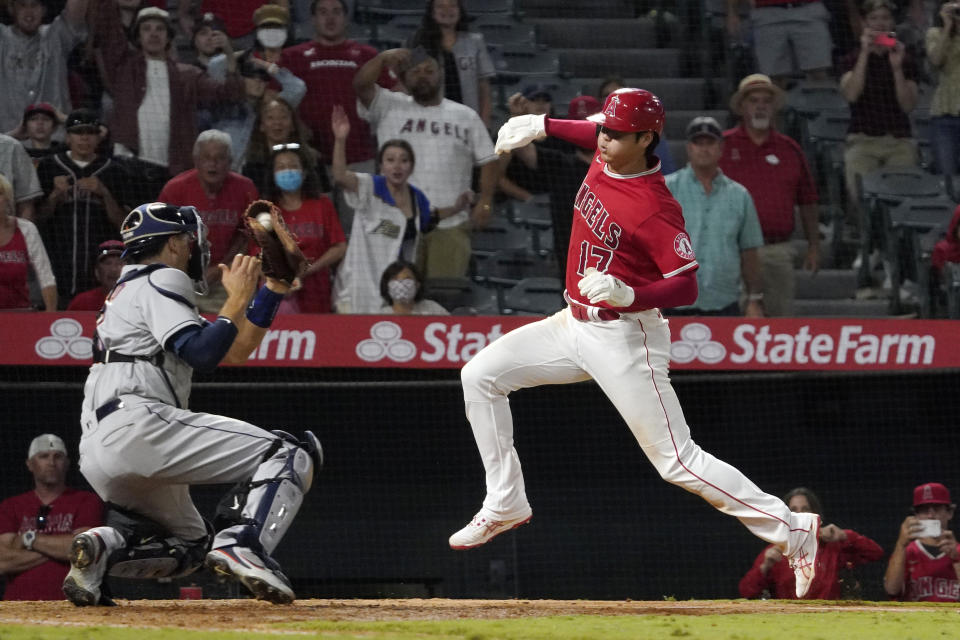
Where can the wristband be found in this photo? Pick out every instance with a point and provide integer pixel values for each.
(264, 307)
(28, 539)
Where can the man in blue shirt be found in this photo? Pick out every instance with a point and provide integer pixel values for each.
(723, 226)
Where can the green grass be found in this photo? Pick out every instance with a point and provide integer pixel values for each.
(937, 623)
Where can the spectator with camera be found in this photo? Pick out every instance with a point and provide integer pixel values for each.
(943, 52)
(925, 563)
(840, 551)
(879, 82)
(81, 206)
(37, 527)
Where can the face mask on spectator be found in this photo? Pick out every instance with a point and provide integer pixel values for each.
(271, 38)
(403, 290)
(288, 179)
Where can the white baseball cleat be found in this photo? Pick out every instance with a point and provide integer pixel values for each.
(262, 576)
(804, 558)
(88, 565)
(481, 530)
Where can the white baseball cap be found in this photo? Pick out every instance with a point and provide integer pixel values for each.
(46, 442)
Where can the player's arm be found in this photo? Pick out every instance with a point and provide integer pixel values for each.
(676, 291)
(14, 558)
(520, 131)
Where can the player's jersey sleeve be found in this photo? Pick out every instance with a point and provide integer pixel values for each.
(168, 304)
(383, 101)
(666, 243)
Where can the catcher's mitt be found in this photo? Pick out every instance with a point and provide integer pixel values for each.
(280, 256)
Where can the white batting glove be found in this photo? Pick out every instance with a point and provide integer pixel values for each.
(602, 287)
(519, 131)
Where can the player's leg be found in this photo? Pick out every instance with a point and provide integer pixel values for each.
(142, 457)
(630, 362)
(535, 354)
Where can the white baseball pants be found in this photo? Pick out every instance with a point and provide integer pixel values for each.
(629, 358)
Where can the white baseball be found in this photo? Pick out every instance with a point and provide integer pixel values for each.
(265, 220)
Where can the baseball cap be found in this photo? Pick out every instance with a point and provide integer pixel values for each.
(40, 107)
(271, 14)
(151, 13)
(931, 493)
(535, 91)
(46, 442)
(583, 106)
(208, 20)
(109, 248)
(82, 119)
(756, 82)
(704, 126)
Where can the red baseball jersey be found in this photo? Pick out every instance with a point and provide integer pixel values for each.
(929, 577)
(317, 228)
(223, 214)
(628, 226)
(71, 510)
(14, 264)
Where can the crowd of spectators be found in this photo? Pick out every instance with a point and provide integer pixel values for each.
(112, 103)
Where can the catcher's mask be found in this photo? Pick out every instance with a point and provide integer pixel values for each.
(147, 227)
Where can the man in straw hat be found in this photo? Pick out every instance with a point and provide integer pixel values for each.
(774, 170)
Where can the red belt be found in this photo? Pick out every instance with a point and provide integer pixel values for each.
(583, 313)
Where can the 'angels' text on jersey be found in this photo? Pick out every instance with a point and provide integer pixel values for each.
(596, 216)
(422, 125)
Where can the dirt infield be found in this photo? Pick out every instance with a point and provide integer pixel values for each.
(252, 615)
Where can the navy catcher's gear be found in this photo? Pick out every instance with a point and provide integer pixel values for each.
(147, 227)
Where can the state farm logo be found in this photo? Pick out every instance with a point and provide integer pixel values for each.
(385, 342)
(695, 344)
(66, 338)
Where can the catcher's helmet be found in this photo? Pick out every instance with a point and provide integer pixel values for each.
(147, 227)
(631, 110)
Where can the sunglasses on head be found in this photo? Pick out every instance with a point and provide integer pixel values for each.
(42, 514)
(290, 146)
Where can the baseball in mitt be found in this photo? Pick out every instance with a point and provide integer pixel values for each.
(280, 256)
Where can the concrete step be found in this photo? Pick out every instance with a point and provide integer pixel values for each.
(654, 63)
(685, 94)
(589, 9)
(831, 284)
(595, 32)
(827, 308)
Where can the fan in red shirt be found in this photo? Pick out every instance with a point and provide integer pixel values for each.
(327, 64)
(840, 551)
(925, 563)
(106, 271)
(313, 220)
(37, 527)
(629, 254)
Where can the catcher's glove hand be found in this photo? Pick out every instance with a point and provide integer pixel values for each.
(280, 256)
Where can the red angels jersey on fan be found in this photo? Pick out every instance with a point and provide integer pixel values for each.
(929, 578)
(628, 226)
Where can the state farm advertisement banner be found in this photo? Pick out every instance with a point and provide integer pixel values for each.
(717, 344)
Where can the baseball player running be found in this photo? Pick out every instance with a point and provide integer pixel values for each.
(628, 256)
(142, 448)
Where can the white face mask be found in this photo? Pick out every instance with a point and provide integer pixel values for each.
(271, 37)
(403, 290)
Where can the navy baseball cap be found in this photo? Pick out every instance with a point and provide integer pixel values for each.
(704, 126)
(208, 20)
(81, 120)
(535, 91)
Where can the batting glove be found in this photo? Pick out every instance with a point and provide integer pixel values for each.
(519, 131)
(602, 287)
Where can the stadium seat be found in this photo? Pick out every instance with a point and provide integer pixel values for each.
(482, 7)
(498, 234)
(503, 30)
(462, 296)
(534, 296)
(565, 33)
(507, 267)
(908, 221)
(380, 11)
(534, 215)
(527, 60)
(657, 63)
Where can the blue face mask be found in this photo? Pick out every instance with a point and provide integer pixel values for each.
(288, 179)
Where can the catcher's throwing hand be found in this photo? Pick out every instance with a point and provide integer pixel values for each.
(241, 277)
(519, 131)
(281, 258)
(602, 287)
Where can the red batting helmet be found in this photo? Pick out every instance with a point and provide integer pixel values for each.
(631, 110)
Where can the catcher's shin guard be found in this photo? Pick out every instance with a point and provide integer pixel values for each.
(275, 493)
